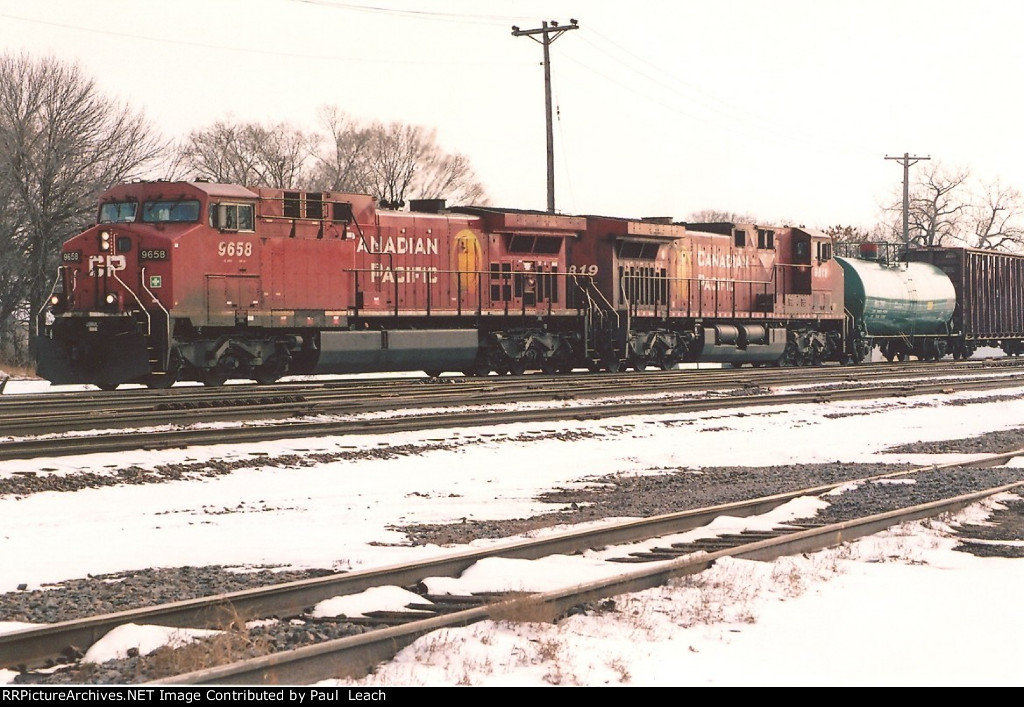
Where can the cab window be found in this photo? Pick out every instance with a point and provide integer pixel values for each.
(232, 217)
(170, 211)
(118, 212)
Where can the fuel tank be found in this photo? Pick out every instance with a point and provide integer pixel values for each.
(898, 299)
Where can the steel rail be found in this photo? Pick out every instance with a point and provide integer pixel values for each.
(33, 647)
(291, 429)
(355, 656)
(34, 414)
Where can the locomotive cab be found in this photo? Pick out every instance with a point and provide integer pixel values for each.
(108, 319)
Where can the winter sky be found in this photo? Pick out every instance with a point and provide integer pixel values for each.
(784, 111)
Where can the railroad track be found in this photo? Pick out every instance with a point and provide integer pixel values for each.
(59, 413)
(493, 409)
(354, 656)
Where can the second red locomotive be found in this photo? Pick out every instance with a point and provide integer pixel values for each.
(204, 281)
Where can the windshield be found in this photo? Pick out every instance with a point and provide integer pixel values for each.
(170, 211)
(118, 212)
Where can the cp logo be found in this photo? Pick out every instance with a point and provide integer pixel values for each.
(100, 265)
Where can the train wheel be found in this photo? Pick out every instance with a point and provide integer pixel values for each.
(550, 366)
(636, 360)
(612, 365)
(214, 379)
(271, 371)
(517, 368)
(433, 372)
(265, 375)
(106, 386)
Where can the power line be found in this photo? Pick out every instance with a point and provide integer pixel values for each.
(456, 17)
(136, 37)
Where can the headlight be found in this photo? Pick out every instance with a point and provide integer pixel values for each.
(104, 240)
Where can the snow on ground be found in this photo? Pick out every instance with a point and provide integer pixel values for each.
(900, 608)
(894, 609)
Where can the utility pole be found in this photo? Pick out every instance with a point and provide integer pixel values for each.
(905, 161)
(548, 34)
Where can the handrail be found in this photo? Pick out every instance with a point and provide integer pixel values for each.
(46, 303)
(149, 322)
(696, 291)
(167, 317)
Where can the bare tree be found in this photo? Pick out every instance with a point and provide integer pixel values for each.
(716, 216)
(396, 151)
(451, 177)
(285, 153)
(996, 218)
(948, 208)
(937, 206)
(13, 278)
(939, 199)
(848, 234)
(341, 165)
(61, 144)
(405, 161)
(275, 155)
(390, 161)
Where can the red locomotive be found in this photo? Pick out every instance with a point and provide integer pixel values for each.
(204, 281)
